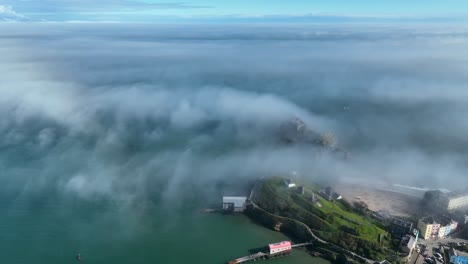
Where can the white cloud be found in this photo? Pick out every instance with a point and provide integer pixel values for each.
(8, 14)
(7, 10)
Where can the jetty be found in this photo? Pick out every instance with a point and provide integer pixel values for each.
(302, 245)
(274, 250)
(254, 257)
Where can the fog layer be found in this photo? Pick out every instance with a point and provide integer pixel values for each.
(132, 112)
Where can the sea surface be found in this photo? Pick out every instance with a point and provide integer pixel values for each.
(53, 230)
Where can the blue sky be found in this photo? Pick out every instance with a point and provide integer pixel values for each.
(150, 10)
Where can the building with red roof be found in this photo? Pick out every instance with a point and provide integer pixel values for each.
(280, 247)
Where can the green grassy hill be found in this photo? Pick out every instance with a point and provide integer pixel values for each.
(335, 221)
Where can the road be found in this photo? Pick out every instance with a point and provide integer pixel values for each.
(431, 246)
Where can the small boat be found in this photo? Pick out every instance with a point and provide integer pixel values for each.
(78, 257)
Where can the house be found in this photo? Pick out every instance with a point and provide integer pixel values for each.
(436, 228)
(448, 230)
(448, 226)
(399, 228)
(312, 198)
(327, 193)
(280, 247)
(428, 227)
(330, 195)
(442, 231)
(408, 244)
(289, 183)
(234, 203)
(458, 257)
(300, 190)
(457, 201)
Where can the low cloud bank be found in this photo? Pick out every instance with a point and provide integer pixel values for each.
(138, 112)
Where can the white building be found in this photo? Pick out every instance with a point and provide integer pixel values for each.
(457, 202)
(289, 183)
(234, 203)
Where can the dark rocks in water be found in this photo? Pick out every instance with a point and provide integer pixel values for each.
(295, 131)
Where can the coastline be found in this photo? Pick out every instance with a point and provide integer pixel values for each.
(280, 208)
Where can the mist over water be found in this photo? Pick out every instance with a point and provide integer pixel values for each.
(148, 118)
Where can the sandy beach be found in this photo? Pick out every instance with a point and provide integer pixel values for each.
(396, 204)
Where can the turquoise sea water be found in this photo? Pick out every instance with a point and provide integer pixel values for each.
(52, 230)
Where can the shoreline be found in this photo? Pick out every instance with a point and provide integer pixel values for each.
(380, 199)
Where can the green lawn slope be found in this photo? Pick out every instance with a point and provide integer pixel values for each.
(334, 221)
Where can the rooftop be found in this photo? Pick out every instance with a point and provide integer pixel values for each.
(238, 201)
(401, 222)
(442, 220)
(280, 244)
(408, 241)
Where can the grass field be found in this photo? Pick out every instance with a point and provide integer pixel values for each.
(328, 216)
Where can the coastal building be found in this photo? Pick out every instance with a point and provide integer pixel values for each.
(329, 194)
(300, 190)
(289, 183)
(234, 203)
(442, 230)
(447, 227)
(280, 247)
(408, 244)
(399, 228)
(453, 226)
(432, 228)
(312, 198)
(458, 257)
(448, 230)
(457, 201)
(428, 228)
(437, 201)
